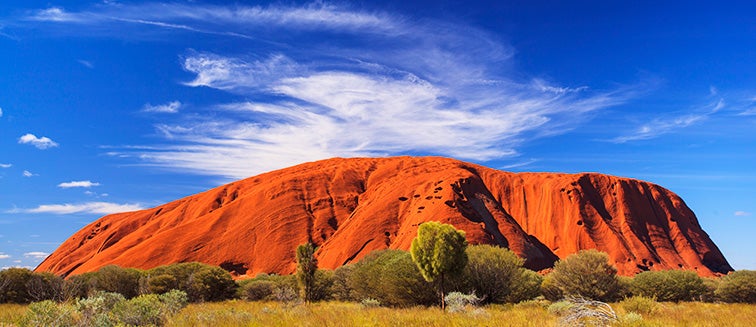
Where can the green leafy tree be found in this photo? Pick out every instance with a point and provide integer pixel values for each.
(307, 265)
(587, 273)
(201, 282)
(439, 251)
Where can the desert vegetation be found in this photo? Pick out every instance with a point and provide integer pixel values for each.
(480, 284)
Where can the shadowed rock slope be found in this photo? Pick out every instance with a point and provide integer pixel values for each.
(350, 207)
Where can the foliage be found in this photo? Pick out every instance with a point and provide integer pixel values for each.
(738, 286)
(460, 302)
(322, 286)
(143, 310)
(257, 290)
(391, 277)
(550, 290)
(640, 304)
(438, 251)
(669, 285)
(340, 289)
(45, 286)
(307, 265)
(585, 312)
(491, 272)
(586, 274)
(112, 278)
(50, 313)
(370, 303)
(201, 282)
(95, 310)
(13, 285)
(526, 285)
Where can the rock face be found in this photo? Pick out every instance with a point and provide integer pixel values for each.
(350, 207)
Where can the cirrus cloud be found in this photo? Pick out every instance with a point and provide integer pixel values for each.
(103, 208)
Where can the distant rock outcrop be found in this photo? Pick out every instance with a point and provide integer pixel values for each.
(350, 207)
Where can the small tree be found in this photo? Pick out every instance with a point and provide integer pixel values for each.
(307, 265)
(438, 251)
(586, 274)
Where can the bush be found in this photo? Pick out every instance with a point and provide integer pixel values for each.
(199, 281)
(125, 281)
(80, 286)
(50, 313)
(550, 290)
(322, 286)
(95, 310)
(45, 286)
(525, 286)
(669, 285)
(585, 312)
(738, 286)
(370, 303)
(640, 304)
(460, 302)
(586, 274)
(143, 310)
(491, 272)
(391, 277)
(13, 285)
(257, 290)
(174, 301)
(340, 288)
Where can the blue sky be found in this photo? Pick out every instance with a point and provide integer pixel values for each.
(108, 106)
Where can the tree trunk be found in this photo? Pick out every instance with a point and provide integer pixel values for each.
(441, 286)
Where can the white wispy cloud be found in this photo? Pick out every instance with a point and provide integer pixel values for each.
(55, 14)
(86, 63)
(170, 107)
(4, 256)
(742, 213)
(27, 173)
(103, 208)
(36, 255)
(6, 165)
(1, 112)
(661, 126)
(85, 184)
(431, 88)
(41, 143)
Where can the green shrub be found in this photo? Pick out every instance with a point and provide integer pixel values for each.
(174, 301)
(257, 290)
(669, 285)
(201, 282)
(559, 308)
(340, 290)
(370, 303)
(321, 287)
(80, 286)
(125, 281)
(95, 310)
(640, 304)
(738, 286)
(587, 273)
(45, 286)
(391, 277)
(50, 313)
(491, 272)
(13, 285)
(526, 285)
(143, 310)
(550, 290)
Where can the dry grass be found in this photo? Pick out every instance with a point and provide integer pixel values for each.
(242, 313)
(11, 313)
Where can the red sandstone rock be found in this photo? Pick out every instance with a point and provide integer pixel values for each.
(349, 207)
